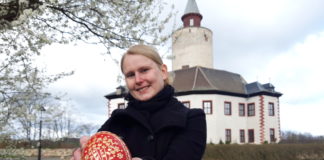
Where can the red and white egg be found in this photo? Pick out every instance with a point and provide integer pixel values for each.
(105, 146)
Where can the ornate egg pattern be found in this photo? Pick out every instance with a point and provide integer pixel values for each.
(105, 146)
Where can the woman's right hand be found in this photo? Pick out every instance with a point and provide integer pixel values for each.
(76, 155)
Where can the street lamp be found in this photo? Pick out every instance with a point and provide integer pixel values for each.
(42, 109)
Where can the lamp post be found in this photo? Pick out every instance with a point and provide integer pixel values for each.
(40, 134)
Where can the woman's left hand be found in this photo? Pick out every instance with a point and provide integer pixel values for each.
(76, 155)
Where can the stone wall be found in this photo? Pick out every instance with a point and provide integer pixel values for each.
(59, 154)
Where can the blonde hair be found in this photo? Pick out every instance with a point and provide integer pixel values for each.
(146, 51)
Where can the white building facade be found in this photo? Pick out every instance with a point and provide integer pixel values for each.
(228, 118)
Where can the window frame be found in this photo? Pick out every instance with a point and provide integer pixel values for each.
(271, 109)
(242, 136)
(186, 102)
(227, 109)
(228, 135)
(210, 107)
(251, 138)
(272, 134)
(121, 106)
(191, 22)
(250, 111)
(243, 115)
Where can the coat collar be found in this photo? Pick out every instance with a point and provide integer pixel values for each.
(172, 115)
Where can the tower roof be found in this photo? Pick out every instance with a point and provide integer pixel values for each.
(191, 7)
(191, 17)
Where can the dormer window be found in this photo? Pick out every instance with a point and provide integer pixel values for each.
(191, 22)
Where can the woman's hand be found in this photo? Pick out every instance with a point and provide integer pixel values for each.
(76, 155)
(136, 158)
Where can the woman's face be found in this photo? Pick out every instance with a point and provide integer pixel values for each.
(144, 78)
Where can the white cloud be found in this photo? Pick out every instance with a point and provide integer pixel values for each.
(298, 72)
(95, 76)
(303, 118)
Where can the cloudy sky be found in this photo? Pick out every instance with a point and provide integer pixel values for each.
(277, 41)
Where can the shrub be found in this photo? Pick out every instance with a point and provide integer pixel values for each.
(265, 152)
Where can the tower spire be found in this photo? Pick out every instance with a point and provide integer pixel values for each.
(191, 16)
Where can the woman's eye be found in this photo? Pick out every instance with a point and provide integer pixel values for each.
(129, 75)
(144, 70)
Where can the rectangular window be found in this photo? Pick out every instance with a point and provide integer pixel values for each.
(271, 109)
(241, 109)
(121, 106)
(242, 136)
(251, 109)
(227, 108)
(207, 107)
(272, 135)
(228, 135)
(186, 103)
(191, 22)
(251, 135)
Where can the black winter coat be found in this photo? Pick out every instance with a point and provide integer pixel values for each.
(173, 133)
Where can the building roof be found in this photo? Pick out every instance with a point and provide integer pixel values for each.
(257, 87)
(121, 91)
(200, 80)
(191, 7)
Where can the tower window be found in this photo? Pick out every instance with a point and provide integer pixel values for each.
(191, 22)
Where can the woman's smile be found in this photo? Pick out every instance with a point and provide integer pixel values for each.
(142, 89)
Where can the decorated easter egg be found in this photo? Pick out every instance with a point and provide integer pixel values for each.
(105, 146)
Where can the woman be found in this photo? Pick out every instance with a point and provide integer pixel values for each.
(155, 125)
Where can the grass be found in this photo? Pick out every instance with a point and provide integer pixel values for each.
(265, 152)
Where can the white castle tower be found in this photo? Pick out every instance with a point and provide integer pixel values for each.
(192, 45)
